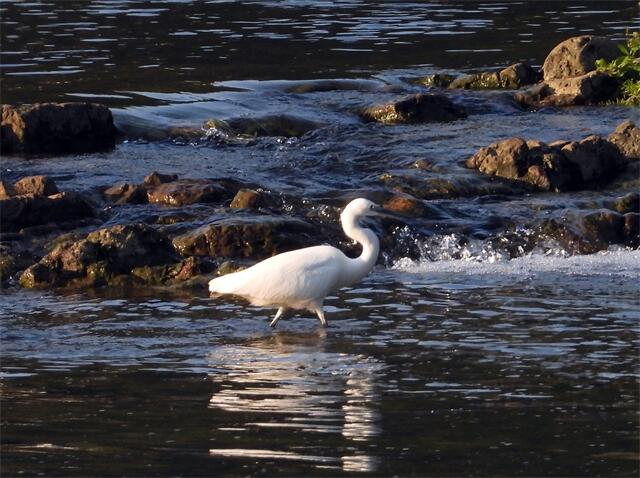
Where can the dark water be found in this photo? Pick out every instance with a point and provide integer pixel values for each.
(454, 361)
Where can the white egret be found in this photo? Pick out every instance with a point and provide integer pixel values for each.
(301, 279)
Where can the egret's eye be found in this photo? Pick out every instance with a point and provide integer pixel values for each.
(371, 206)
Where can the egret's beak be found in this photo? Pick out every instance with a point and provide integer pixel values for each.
(380, 211)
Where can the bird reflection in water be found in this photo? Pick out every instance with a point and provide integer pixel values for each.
(294, 383)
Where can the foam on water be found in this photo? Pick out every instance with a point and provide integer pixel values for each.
(616, 261)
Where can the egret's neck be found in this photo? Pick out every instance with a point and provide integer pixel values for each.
(362, 265)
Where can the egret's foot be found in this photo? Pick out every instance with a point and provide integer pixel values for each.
(277, 317)
(320, 314)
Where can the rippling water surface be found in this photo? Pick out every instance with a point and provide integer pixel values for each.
(455, 360)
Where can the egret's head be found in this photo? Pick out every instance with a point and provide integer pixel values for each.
(360, 208)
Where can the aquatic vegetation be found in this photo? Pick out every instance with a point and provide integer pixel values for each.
(627, 68)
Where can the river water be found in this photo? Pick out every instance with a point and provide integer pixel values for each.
(454, 357)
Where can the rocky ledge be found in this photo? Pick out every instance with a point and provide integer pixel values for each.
(561, 165)
(56, 128)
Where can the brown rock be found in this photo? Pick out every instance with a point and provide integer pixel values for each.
(406, 204)
(156, 179)
(590, 88)
(628, 203)
(57, 128)
(507, 159)
(257, 238)
(125, 193)
(597, 159)
(577, 56)
(631, 229)
(36, 185)
(519, 75)
(187, 191)
(418, 108)
(24, 211)
(626, 137)
(479, 81)
(245, 198)
(6, 189)
(101, 256)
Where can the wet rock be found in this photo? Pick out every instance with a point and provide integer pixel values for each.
(587, 233)
(23, 211)
(590, 88)
(418, 108)
(100, 257)
(519, 75)
(406, 204)
(156, 179)
(440, 80)
(258, 237)
(36, 185)
(287, 126)
(597, 159)
(252, 199)
(13, 258)
(125, 193)
(565, 166)
(627, 203)
(166, 274)
(626, 137)
(631, 229)
(479, 81)
(228, 267)
(577, 56)
(57, 128)
(188, 191)
(6, 189)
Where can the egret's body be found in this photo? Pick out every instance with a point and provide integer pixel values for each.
(301, 279)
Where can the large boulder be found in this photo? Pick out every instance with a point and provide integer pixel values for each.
(420, 108)
(57, 128)
(29, 210)
(626, 137)
(559, 166)
(577, 56)
(101, 256)
(590, 88)
(252, 237)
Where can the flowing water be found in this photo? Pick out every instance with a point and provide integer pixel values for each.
(456, 356)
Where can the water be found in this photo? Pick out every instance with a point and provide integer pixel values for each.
(466, 352)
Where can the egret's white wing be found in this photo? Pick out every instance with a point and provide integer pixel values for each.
(291, 279)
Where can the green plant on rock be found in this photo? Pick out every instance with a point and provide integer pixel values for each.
(627, 68)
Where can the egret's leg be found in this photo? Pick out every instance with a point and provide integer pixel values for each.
(320, 314)
(277, 317)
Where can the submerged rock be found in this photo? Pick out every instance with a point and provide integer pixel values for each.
(257, 237)
(287, 126)
(577, 56)
(559, 166)
(100, 257)
(57, 128)
(29, 210)
(420, 108)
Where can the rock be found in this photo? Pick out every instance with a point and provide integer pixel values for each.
(479, 81)
(57, 128)
(626, 137)
(440, 80)
(577, 56)
(167, 274)
(519, 75)
(627, 203)
(13, 258)
(406, 204)
(101, 256)
(125, 193)
(631, 229)
(24, 211)
(507, 159)
(6, 190)
(188, 191)
(597, 159)
(590, 88)
(257, 238)
(36, 185)
(251, 199)
(156, 179)
(288, 126)
(418, 108)
(591, 162)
